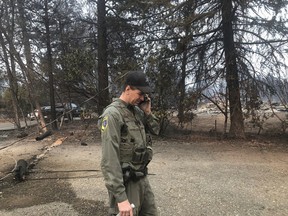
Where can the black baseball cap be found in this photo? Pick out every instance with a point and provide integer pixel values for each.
(138, 80)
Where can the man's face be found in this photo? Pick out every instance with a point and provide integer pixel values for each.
(136, 96)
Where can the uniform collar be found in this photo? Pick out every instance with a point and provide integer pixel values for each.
(128, 106)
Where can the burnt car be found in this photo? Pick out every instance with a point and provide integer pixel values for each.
(68, 110)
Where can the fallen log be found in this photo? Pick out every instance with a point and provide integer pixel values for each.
(21, 170)
(44, 135)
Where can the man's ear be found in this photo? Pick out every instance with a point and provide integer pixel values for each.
(128, 87)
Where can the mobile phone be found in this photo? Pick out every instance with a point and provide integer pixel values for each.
(146, 99)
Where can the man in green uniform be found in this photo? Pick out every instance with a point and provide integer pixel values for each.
(126, 148)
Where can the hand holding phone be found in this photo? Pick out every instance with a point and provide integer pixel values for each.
(145, 105)
(146, 98)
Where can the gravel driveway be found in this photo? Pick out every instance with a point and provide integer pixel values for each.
(189, 177)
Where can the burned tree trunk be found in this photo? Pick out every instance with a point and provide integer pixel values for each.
(232, 78)
(28, 69)
(102, 58)
(50, 67)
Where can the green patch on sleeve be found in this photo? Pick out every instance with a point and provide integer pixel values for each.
(104, 123)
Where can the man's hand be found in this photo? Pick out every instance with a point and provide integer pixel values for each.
(125, 208)
(146, 106)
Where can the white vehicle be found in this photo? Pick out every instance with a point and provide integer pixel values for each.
(33, 115)
(60, 109)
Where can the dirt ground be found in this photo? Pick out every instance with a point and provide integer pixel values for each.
(193, 172)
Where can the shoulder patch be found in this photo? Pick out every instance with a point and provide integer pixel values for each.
(104, 123)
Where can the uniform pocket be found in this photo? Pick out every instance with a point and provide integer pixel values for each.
(126, 150)
(138, 155)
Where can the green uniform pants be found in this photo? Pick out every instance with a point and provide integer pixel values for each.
(140, 194)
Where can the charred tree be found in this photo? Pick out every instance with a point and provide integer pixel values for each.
(232, 77)
(102, 57)
(50, 66)
(8, 11)
(28, 68)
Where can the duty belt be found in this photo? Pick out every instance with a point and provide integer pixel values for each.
(134, 175)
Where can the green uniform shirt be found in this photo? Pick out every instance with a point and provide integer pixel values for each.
(123, 128)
